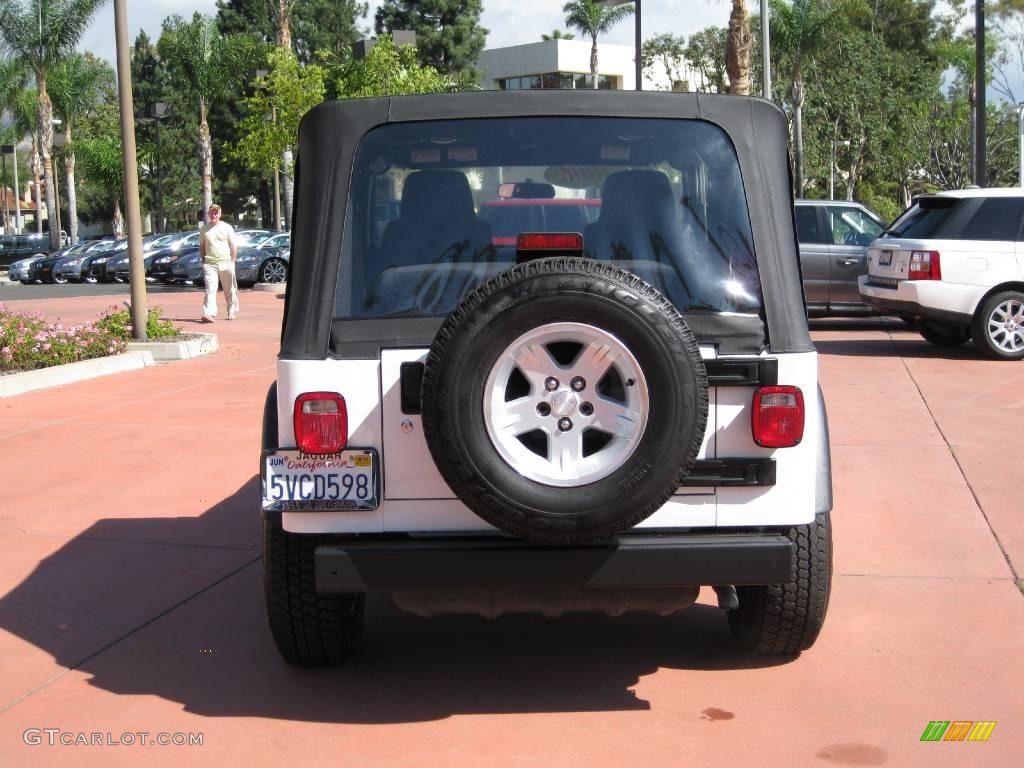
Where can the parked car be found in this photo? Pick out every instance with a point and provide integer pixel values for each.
(267, 262)
(601, 421)
(44, 270)
(834, 236)
(75, 267)
(188, 269)
(954, 262)
(20, 270)
(180, 244)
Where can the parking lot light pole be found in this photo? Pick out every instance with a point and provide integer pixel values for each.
(262, 73)
(832, 167)
(156, 112)
(1020, 142)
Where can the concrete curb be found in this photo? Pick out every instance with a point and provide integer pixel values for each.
(271, 287)
(55, 376)
(164, 351)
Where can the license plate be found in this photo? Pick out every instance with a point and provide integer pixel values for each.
(297, 482)
(885, 258)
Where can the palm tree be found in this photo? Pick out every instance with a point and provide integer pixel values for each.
(590, 17)
(209, 63)
(739, 49)
(41, 33)
(75, 85)
(13, 77)
(558, 35)
(798, 32)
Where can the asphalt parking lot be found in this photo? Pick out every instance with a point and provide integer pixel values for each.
(130, 595)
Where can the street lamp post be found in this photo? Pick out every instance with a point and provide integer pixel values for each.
(59, 140)
(156, 112)
(261, 73)
(1020, 143)
(832, 167)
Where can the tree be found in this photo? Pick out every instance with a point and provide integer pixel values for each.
(314, 25)
(670, 51)
(449, 37)
(76, 85)
(558, 34)
(706, 53)
(102, 160)
(289, 91)
(13, 79)
(390, 71)
(799, 31)
(41, 33)
(209, 64)
(739, 49)
(589, 17)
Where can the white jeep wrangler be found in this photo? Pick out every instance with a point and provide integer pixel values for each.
(564, 420)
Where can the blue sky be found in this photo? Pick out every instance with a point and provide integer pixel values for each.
(510, 21)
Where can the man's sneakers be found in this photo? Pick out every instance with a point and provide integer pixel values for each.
(208, 319)
(232, 315)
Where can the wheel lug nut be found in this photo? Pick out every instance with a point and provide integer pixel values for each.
(551, 384)
(578, 383)
(586, 408)
(543, 409)
(565, 424)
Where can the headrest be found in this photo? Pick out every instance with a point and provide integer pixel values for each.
(431, 195)
(635, 191)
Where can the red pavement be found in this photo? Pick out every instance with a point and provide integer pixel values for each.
(131, 596)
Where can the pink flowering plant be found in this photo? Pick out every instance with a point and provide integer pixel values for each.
(28, 342)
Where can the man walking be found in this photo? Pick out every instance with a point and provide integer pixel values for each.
(218, 251)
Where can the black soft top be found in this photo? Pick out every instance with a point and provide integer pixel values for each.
(330, 133)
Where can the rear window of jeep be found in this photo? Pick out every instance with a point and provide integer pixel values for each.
(435, 207)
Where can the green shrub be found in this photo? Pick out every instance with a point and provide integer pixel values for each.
(28, 342)
(118, 321)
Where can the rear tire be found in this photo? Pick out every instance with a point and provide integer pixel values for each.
(998, 327)
(943, 334)
(310, 630)
(786, 618)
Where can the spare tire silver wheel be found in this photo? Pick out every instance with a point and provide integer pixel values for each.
(582, 418)
(564, 400)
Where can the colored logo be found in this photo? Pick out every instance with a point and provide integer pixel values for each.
(958, 730)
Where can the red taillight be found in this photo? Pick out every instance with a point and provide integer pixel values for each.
(550, 241)
(924, 265)
(321, 422)
(778, 420)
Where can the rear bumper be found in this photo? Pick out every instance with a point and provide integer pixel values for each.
(944, 302)
(494, 562)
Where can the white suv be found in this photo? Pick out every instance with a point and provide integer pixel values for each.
(954, 262)
(544, 420)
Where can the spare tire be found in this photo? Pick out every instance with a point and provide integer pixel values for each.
(564, 400)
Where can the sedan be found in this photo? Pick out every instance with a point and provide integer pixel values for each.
(76, 266)
(45, 269)
(266, 263)
(20, 269)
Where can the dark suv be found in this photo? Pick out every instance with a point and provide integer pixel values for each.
(15, 247)
(619, 408)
